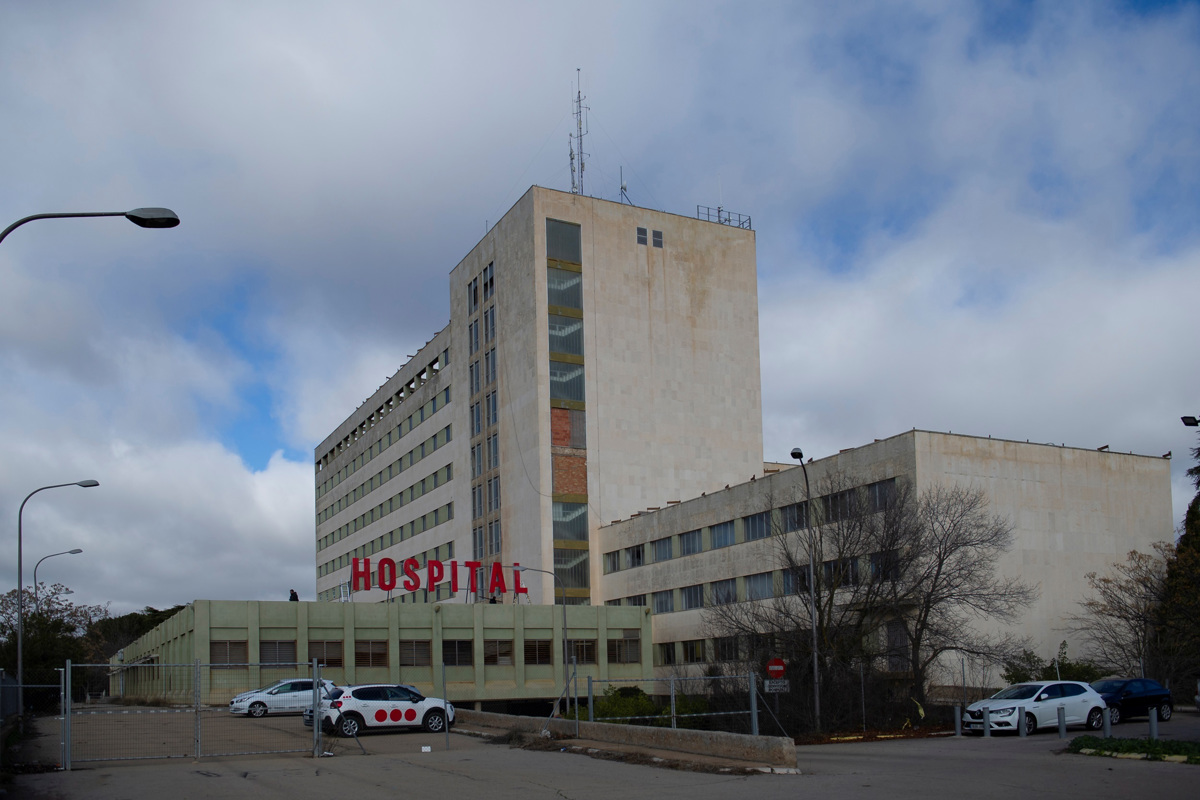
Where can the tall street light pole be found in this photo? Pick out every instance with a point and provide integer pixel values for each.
(37, 606)
(798, 454)
(21, 591)
(566, 672)
(142, 217)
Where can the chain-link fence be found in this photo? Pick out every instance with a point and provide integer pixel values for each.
(153, 711)
(720, 703)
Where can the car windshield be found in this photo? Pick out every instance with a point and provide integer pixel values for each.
(1108, 686)
(1022, 691)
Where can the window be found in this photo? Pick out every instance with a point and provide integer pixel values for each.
(565, 288)
(472, 337)
(477, 551)
(666, 654)
(489, 366)
(570, 521)
(475, 377)
(228, 652)
(636, 600)
(538, 651)
(572, 568)
(662, 549)
(627, 649)
(724, 592)
(693, 596)
(656, 238)
(458, 652)
(566, 381)
(722, 534)
(415, 653)
(757, 526)
(476, 460)
(879, 495)
(493, 451)
(693, 651)
(490, 413)
(473, 296)
(635, 556)
(584, 651)
(689, 543)
(725, 648)
(563, 241)
(498, 652)
(370, 653)
(493, 486)
(885, 566)
(612, 562)
(641, 235)
(327, 652)
(477, 501)
(476, 419)
(795, 581)
(277, 652)
(489, 324)
(489, 280)
(838, 506)
(760, 586)
(664, 602)
(841, 572)
(495, 540)
(566, 335)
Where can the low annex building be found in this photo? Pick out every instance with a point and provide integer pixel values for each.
(491, 652)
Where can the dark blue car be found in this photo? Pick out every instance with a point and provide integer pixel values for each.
(1134, 697)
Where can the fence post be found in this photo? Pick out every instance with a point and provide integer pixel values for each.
(575, 681)
(1021, 721)
(753, 705)
(316, 707)
(1154, 723)
(1107, 724)
(591, 701)
(65, 700)
(957, 720)
(196, 704)
(1062, 722)
(987, 721)
(672, 701)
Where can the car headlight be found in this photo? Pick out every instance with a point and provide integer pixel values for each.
(1001, 712)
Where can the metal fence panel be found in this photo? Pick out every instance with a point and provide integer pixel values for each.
(722, 702)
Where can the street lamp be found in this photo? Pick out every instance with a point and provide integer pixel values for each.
(521, 568)
(142, 217)
(1191, 422)
(798, 454)
(36, 604)
(21, 587)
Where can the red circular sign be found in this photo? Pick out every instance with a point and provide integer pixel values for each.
(775, 668)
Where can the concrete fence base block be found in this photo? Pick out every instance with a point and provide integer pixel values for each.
(774, 750)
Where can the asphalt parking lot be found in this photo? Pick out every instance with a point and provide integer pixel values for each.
(1001, 766)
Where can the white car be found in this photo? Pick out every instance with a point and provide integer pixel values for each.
(1041, 701)
(350, 710)
(288, 696)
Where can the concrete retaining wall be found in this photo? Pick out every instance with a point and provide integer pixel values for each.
(776, 751)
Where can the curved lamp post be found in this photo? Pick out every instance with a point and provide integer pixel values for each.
(566, 669)
(798, 454)
(36, 604)
(21, 589)
(142, 217)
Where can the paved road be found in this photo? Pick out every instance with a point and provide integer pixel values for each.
(941, 768)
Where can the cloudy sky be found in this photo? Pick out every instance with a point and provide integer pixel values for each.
(970, 217)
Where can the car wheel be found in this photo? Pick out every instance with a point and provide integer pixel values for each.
(1164, 712)
(350, 725)
(258, 709)
(1030, 724)
(434, 722)
(1095, 719)
(1114, 715)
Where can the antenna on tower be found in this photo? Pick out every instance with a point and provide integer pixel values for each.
(577, 137)
(624, 194)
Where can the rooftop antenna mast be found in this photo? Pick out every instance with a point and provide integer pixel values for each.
(624, 193)
(576, 143)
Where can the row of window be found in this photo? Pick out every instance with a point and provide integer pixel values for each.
(419, 379)
(406, 531)
(835, 573)
(485, 280)
(406, 425)
(419, 652)
(485, 497)
(838, 506)
(401, 498)
(486, 540)
(485, 456)
(657, 237)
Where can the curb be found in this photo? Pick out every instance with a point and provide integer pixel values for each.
(1087, 751)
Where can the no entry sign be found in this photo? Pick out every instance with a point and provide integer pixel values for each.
(775, 668)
